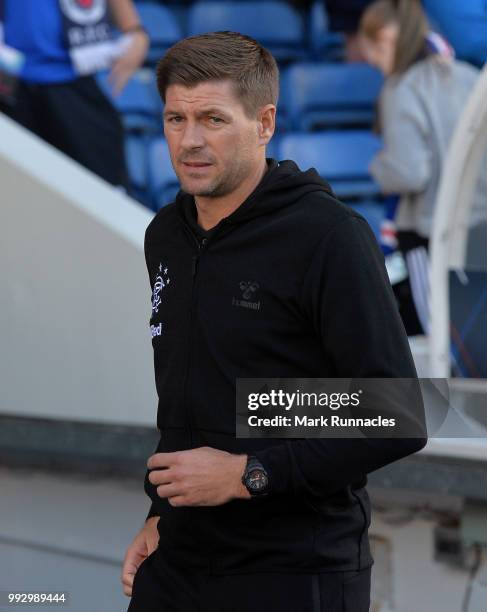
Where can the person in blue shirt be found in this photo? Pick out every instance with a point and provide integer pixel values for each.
(63, 43)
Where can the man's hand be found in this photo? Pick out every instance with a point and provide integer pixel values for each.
(198, 477)
(144, 544)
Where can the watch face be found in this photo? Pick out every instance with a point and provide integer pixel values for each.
(257, 480)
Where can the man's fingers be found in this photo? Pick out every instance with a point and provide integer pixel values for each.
(180, 500)
(168, 490)
(127, 583)
(162, 476)
(130, 567)
(160, 460)
(128, 571)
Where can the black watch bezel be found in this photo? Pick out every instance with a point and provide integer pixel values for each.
(254, 465)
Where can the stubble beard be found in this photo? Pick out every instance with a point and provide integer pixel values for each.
(223, 185)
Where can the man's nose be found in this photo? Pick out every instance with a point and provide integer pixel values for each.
(193, 137)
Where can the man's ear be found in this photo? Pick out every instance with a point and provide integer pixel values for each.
(266, 118)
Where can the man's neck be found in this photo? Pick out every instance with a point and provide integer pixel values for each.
(210, 211)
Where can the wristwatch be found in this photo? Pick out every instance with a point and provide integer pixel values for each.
(255, 478)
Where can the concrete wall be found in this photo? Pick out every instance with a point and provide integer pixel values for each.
(75, 296)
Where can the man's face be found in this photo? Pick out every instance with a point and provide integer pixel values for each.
(213, 145)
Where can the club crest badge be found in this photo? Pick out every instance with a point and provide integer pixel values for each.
(84, 12)
(161, 282)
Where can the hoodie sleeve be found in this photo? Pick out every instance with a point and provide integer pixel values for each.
(150, 489)
(152, 512)
(348, 299)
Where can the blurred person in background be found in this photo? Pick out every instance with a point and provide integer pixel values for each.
(425, 91)
(63, 43)
(344, 16)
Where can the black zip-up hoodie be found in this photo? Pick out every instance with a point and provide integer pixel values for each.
(291, 284)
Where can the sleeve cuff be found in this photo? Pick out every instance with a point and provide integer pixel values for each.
(152, 512)
(276, 462)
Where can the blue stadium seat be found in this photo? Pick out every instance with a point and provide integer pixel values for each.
(341, 158)
(274, 24)
(163, 27)
(318, 96)
(137, 157)
(163, 181)
(324, 44)
(373, 212)
(464, 25)
(272, 149)
(138, 103)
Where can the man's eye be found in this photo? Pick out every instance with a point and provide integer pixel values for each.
(175, 119)
(216, 120)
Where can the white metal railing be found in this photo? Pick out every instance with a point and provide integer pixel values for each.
(451, 218)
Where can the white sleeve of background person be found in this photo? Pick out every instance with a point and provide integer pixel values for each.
(404, 164)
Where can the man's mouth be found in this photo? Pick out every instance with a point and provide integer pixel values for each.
(197, 164)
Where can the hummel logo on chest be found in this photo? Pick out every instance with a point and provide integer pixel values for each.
(248, 289)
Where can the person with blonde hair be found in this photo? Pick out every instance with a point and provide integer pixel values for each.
(425, 91)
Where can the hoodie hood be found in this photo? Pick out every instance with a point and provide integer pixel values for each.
(282, 185)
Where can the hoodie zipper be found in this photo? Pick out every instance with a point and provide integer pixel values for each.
(201, 245)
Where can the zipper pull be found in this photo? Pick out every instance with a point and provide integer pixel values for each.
(201, 246)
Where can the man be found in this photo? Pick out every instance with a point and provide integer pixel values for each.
(63, 43)
(256, 270)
